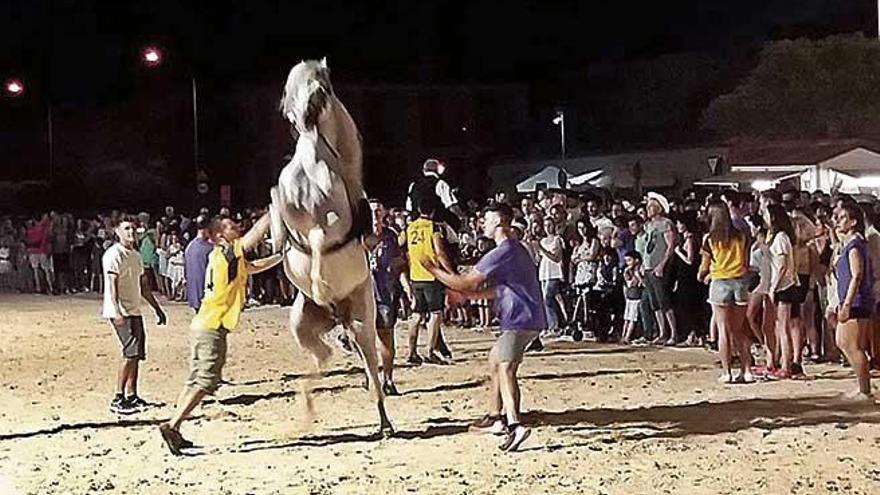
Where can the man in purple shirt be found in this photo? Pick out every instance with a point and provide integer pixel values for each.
(196, 263)
(386, 263)
(517, 293)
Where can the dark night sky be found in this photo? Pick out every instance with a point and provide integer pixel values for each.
(84, 50)
(81, 58)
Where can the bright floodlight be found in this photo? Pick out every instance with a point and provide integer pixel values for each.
(560, 117)
(14, 87)
(152, 56)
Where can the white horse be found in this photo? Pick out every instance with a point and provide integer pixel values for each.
(319, 210)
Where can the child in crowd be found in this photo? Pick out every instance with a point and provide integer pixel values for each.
(632, 288)
(176, 270)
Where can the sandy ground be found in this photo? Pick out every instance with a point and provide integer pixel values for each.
(606, 419)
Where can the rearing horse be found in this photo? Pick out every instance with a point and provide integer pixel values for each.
(318, 209)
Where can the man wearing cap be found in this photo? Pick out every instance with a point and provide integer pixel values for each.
(657, 247)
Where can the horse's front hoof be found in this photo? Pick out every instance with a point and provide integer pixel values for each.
(386, 431)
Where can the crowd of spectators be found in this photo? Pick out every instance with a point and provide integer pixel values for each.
(643, 270)
(60, 253)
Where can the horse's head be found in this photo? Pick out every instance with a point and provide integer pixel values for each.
(307, 93)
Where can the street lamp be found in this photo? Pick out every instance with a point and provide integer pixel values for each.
(14, 88)
(560, 121)
(152, 57)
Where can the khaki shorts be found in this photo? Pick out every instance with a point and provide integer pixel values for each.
(208, 358)
(511, 345)
(132, 337)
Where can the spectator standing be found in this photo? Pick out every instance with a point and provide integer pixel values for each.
(39, 246)
(61, 232)
(147, 244)
(855, 292)
(725, 265)
(550, 251)
(657, 252)
(196, 263)
(126, 285)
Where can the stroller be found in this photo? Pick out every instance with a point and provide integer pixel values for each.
(598, 300)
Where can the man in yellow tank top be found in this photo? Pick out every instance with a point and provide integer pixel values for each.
(225, 295)
(424, 241)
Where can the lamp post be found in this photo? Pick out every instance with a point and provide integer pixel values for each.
(152, 57)
(15, 88)
(559, 120)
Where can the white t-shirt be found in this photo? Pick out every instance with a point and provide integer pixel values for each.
(782, 269)
(128, 266)
(547, 268)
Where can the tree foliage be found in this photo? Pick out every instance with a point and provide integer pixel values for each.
(828, 88)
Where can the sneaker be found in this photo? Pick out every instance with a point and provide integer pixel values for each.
(121, 405)
(516, 435)
(415, 360)
(138, 402)
(435, 359)
(746, 377)
(389, 389)
(496, 425)
(725, 378)
(797, 369)
(536, 345)
(171, 438)
(444, 351)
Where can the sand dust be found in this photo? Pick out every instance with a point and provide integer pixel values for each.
(607, 419)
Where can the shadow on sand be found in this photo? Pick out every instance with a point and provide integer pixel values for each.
(609, 425)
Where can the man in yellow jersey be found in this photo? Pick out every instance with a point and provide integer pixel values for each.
(225, 291)
(424, 240)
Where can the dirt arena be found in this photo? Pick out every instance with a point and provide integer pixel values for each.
(607, 419)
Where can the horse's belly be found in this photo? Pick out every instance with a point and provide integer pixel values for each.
(343, 270)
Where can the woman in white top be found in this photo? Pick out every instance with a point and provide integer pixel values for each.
(783, 288)
(761, 312)
(585, 256)
(550, 273)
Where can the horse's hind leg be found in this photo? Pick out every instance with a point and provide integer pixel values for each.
(364, 329)
(308, 322)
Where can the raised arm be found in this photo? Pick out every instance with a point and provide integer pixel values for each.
(255, 235)
(263, 264)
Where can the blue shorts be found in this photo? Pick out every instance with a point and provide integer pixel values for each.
(729, 291)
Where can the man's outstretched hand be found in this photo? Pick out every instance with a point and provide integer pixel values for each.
(429, 265)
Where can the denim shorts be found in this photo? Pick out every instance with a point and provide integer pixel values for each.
(729, 291)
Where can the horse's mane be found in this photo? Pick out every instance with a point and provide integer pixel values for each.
(320, 151)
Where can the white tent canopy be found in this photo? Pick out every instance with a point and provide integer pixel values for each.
(549, 178)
